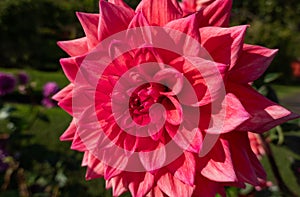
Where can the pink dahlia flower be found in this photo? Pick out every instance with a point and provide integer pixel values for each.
(161, 103)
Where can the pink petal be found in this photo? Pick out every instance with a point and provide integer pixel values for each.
(89, 23)
(118, 187)
(265, 114)
(223, 44)
(217, 14)
(95, 168)
(220, 167)
(155, 192)
(71, 66)
(173, 187)
(235, 113)
(188, 25)
(140, 183)
(252, 63)
(153, 160)
(113, 19)
(63, 93)
(67, 103)
(239, 148)
(184, 168)
(77, 143)
(74, 47)
(68, 135)
(159, 12)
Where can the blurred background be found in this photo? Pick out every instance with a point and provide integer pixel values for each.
(33, 162)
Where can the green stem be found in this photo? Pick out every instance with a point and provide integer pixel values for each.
(278, 178)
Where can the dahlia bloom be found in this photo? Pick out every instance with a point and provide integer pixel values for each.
(7, 84)
(161, 102)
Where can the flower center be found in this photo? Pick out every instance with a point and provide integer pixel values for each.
(142, 99)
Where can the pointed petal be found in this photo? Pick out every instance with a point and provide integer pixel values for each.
(67, 103)
(173, 187)
(95, 168)
(89, 23)
(74, 47)
(155, 192)
(63, 93)
(188, 25)
(223, 44)
(140, 183)
(68, 135)
(118, 187)
(217, 14)
(159, 12)
(71, 66)
(77, 143)
(239, 148)
(113, 19)
(252, 63)
(265, 114)
(121, 3)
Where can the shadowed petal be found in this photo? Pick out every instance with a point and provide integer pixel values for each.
(217, 14)
(265, 114)
(254, 60)
(223, 44)
(113, 19)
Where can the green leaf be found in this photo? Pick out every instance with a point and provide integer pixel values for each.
(271, 77)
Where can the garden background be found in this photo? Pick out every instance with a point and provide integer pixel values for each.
(33, 162)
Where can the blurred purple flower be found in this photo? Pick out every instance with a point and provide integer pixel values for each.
(48, 102)
(23, 78)
(7, 83)
(49, 90)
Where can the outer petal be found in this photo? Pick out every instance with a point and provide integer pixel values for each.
(74, 47)
(188, 25)
(69, 134)
(223, 44)
(71, 66)
(139, 184)
(159, 12)
(217, 14)
(207, 188)
(89, 23)
(95, 168)
(117, 185)
(63, 93)
(265, 113)
(113, 19)
(252, 63)
(122, 4)
(173, 187)
(246, 165)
